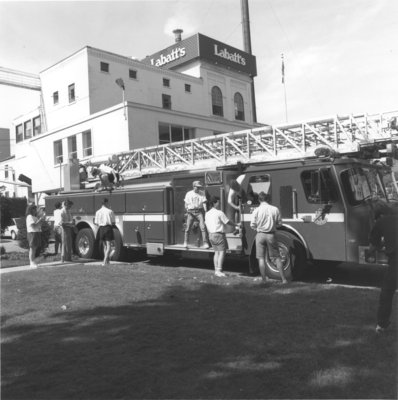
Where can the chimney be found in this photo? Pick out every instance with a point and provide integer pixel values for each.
(177, 34)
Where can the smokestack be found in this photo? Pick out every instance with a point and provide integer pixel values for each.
(177, 34)
(248, 46)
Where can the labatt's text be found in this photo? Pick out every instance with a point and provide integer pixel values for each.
(174, 55)
(224, 53)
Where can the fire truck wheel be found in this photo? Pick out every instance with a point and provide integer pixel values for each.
(85, 243)
(293, 257)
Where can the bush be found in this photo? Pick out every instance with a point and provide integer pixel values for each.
(11, 207)
(23, 235)
(2, 250)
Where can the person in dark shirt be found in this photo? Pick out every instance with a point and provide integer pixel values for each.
(384, 234)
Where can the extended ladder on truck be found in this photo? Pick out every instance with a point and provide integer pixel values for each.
(343, 134)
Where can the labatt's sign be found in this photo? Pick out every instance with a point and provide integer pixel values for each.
(234, 57)
(175, 54)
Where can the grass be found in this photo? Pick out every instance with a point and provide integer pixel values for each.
(144, 331)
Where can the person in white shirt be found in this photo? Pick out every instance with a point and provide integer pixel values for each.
(33, 228)
(105, 219)
(57, 226)
(265, 219)
(107, 175)
(216, 221)
(195, 205)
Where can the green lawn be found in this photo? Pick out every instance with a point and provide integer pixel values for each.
(142, 331)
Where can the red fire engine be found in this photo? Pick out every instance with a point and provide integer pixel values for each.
(321, 174)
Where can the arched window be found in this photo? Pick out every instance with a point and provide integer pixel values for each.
(216, 100)
(239, 107)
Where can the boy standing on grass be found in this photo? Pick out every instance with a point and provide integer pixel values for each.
(216, 221)
(33, 228)
(105, 219)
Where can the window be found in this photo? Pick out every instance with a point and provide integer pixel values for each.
(319, 186)
(216, 100)
(36, 126)
(166, 82)
(28, 129)
(104, 67)
(361, 184)
(174, 133)
(19, 133)
(71, 93)
(87, 147)
(5, 171)
(188, 88)
(166, 101)
(58, 154)
(55, 98)
(239, 107)
(72, 147)
(132, 74)
(257, 184)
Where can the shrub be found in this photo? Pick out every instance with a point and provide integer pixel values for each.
(11, 207)
(2, 250)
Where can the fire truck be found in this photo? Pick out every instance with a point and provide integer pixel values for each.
(324, 175)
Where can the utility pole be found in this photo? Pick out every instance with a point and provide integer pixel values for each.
(248, 47)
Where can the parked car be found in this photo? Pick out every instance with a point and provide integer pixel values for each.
(11, 230)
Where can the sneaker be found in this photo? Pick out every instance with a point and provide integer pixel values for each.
(185, 245)
(33, 266)
(380, 330)
(220, 274)
(206, 246)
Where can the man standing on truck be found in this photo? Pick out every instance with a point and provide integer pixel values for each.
(385, 233)
(265, 219)
(105, 219)
(215, 221)
(195, 205)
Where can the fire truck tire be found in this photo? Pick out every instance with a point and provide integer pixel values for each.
(293, 257)
(85, 243)
(117, 249)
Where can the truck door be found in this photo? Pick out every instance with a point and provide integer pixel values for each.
(146, 218)
(309, 203)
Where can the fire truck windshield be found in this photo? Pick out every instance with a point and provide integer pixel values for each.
(361, 184)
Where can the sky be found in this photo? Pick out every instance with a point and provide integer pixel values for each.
(341, 56)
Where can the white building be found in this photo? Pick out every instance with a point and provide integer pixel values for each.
(96, 103)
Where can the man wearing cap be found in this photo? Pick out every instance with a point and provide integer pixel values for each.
(195, 204)
(68, 224)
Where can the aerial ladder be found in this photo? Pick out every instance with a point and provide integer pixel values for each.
(348, 134)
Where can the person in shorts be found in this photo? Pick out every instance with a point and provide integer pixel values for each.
(265, 219)
(195, 205)
(105, 219)
(216, 222)
(33, 228)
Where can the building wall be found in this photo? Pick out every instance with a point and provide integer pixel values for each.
(108, 136)
(57, 78)
(5, 145)
(146, 89)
